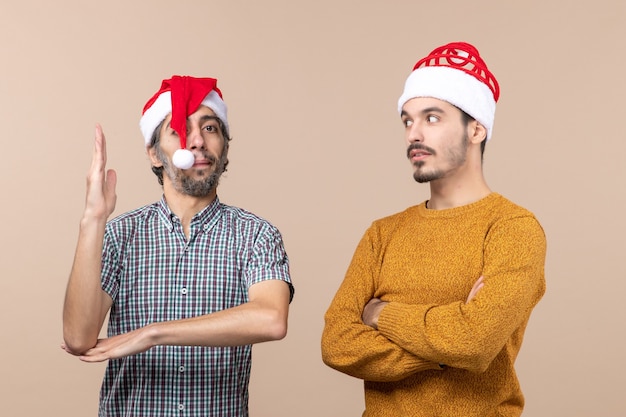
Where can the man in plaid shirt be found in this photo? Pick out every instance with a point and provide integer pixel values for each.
(190, 283)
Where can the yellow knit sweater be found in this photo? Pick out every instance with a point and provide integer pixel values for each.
(424, 263)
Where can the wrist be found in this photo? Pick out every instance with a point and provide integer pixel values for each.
(379, 310)
(152, 333)
(92, 220)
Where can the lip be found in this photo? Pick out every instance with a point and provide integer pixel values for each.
(418, 154)
(202, 163)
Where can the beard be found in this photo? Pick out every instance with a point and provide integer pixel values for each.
(455, 156)
(190, 186)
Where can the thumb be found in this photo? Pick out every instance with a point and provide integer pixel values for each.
(109, 186)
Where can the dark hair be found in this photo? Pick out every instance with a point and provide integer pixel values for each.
(467, 119)
(156, 138)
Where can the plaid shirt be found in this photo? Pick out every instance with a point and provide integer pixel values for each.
(153, 273)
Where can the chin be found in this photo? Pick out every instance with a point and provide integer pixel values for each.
(423, 177)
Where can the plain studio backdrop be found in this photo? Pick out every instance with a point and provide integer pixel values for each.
(318, 150)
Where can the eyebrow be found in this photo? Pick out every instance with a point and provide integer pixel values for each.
(432, 109)
(209, 117)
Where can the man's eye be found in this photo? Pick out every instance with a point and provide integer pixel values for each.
(210, 128)
(432, 119)
(407, 123)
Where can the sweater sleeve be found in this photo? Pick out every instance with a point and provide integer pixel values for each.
(470, 336)
(350, 346)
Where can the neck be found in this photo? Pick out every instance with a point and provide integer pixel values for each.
(185, 206)
(459, 189)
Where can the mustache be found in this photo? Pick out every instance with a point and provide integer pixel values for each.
(415, 146)
(211, 158)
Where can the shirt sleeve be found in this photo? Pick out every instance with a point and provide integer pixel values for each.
(110, 265)
(469, 336)
(268, 259)
(350, 346)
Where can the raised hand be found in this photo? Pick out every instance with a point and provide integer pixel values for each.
(101, 197)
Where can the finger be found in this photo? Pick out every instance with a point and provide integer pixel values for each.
(67, 350)
(95, 354)
(100, 157)
(373, 301)
(101, 141)
(109, 186)
(478, 285)
(98, 160)
(93, 359)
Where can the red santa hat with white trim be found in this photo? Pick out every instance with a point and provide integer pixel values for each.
(457, 74)
(181, 96)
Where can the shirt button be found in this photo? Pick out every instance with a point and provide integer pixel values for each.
(181, 369)
(183, 291)
(181, 407)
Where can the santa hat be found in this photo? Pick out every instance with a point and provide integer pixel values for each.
(457, 74)
(181, 96)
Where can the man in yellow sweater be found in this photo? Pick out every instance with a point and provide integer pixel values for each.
(432, 311)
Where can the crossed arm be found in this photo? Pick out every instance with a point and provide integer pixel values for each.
(263, 318)
(382, 341)
(352, 344)
(373, 308)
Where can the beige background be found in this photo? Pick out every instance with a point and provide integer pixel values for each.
(318, 150)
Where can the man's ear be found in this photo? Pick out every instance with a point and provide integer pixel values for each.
(477, 132)
(153, 157)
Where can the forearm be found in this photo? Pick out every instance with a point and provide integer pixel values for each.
(362, 352)
(263, 318)
(440, 334)
(467, 336)
(85, 303)
(242, 325)
(350, 346)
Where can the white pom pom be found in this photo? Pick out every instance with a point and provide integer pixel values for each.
(183, 159)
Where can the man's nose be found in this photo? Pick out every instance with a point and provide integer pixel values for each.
(195, 139)
(414, 134)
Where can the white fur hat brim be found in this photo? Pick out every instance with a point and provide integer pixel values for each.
(454, 86)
